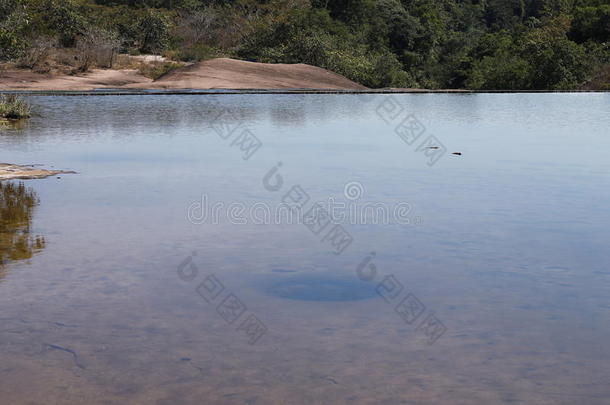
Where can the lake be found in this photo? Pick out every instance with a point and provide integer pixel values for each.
(308, 249)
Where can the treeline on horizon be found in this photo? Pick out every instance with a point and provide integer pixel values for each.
(474, 44)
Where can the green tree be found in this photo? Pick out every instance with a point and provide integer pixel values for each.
(591, 23)
(57, 18)
(155, 32)
(13, 26)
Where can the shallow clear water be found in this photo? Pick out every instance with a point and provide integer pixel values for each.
(493, 286)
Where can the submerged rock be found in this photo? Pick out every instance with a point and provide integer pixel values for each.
(9, 171)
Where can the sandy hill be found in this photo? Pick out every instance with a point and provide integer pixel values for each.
(225, 73)
(220, 73)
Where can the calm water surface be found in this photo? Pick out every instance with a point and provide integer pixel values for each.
(115, 287)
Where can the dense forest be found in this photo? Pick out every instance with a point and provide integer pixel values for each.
(476, 44)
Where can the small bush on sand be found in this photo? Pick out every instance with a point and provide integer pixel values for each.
(37, 53)
(13, 107)
(97, 47)
(155, 70)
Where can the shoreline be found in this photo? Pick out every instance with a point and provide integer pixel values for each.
(213, 76)
(196, 92)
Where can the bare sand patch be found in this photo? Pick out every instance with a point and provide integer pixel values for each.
(225, 73)
(220, 73)
(23, 79)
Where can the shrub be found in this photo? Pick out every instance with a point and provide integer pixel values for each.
(38, 52)
(156, 70)
(13, 107)
(97, 47)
